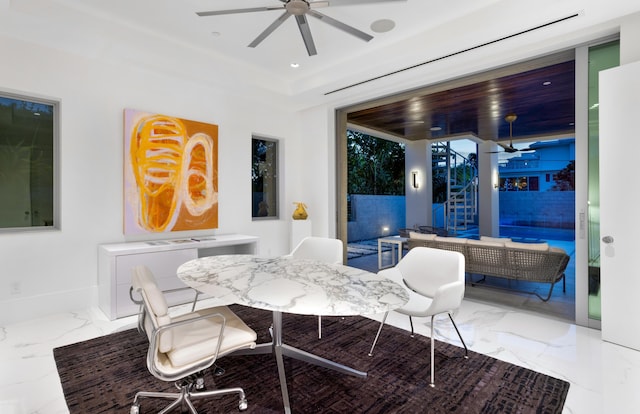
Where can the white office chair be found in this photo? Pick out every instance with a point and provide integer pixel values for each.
(182, 347)
(319, 248)
(435, 282)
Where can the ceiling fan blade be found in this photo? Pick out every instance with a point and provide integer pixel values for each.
(510, 149)
(318, 4)
(339, 25)
(356, 2)
(235, 11)
(273, 26)
(303, 25)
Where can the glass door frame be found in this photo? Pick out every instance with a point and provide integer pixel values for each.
(582, 182)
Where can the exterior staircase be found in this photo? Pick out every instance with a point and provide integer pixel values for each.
(460, 204)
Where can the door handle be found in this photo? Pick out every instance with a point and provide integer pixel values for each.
(607, 239)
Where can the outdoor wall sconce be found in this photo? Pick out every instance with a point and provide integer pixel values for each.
(414, 179)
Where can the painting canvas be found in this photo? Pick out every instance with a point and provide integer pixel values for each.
(171, 174)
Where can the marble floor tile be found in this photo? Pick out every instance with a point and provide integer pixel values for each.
(604, 377)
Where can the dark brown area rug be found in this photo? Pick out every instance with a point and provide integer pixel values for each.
(102, 375)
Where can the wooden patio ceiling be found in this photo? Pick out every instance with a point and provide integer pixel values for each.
(541, 94)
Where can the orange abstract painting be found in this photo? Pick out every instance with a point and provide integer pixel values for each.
(171, 173)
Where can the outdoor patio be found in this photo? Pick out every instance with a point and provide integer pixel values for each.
(364, 255)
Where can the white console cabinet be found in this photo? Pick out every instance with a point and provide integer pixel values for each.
(163, 257)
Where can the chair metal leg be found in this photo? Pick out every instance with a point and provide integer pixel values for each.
(433, 367)
(319, 327)
(466, 351)
(432, 379)
(411, 323)
(384, 318)
(195, 300)
(185, 397)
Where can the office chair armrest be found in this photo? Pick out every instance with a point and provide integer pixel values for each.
(195, 318)
(195, 296)
(190, 320)
(154, 339)
(180, 289)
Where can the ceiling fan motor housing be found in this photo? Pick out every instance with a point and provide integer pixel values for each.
(297, 7)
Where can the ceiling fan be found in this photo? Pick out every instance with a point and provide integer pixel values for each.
(300, 9)
(510, 118)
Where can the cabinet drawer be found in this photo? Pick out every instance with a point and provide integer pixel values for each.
(162, 264)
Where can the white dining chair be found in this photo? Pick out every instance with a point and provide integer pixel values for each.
(435, 280)
(319, 248)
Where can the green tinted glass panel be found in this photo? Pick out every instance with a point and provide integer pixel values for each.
(601, 57)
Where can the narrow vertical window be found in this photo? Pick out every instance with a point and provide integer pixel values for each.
(28, 163)
(264, 178)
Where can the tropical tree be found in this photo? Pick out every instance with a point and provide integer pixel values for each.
(566, 178)
(375, 165)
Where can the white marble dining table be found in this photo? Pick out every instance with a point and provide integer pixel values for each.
(291, 285)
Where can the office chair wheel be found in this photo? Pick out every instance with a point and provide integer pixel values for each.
(243, 404)
(217, 370)
(135, 409)
(200, 384)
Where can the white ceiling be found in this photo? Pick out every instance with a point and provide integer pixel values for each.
(177, 20)
(168, 34)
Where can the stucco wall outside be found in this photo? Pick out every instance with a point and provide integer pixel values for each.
(372, 214)
(551, 209)
(379, 216)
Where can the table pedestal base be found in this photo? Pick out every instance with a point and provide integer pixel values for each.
(280, 349)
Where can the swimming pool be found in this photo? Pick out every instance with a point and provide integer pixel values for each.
(537, 233)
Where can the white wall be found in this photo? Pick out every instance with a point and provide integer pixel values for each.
(629, 34)
(57, 270)
(418, 200)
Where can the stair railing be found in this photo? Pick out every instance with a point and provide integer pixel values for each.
(463, 195)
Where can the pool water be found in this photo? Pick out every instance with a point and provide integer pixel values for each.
(537, 233)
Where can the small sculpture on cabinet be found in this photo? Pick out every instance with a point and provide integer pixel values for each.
(300, 213)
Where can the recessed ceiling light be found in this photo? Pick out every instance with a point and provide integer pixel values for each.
(436, 128)
(294, 65)
(547, 83)
(383, 25)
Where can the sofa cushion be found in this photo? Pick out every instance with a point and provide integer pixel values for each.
(450, 239)
(501, 240)
(529, 246)
(484, 243)
(421, 236)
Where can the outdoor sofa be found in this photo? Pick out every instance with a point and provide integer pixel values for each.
(503, 258)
